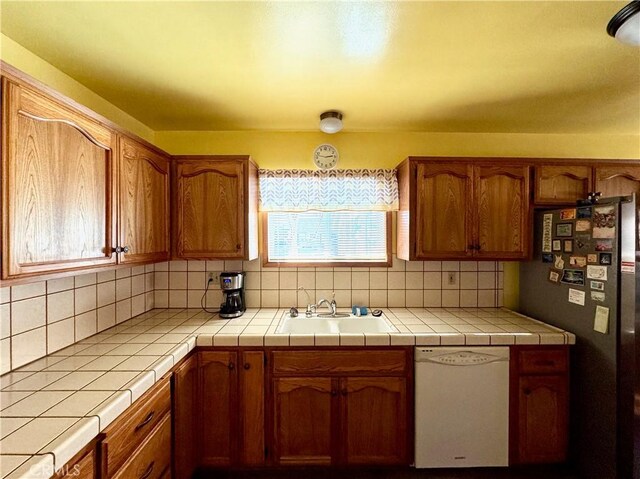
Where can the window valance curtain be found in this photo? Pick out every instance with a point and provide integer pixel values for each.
(328, 190)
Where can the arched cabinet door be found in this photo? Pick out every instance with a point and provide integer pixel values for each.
(144, 203)
(58, 177)
(623, 180)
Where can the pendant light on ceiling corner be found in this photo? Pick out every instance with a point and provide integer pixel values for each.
(331, 121)
(625, 25)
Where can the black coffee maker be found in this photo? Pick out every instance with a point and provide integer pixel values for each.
(232, 286)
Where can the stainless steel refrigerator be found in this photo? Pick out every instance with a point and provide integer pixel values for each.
(582, 278)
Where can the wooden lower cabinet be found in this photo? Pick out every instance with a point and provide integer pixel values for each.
(325, 413)
(539, 404)
(303, 417)
(232, 408)
(374, 418)
(186, 423)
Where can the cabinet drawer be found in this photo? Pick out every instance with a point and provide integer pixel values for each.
(153, 458)
(340, 362)
(543, 361)
(124, 436)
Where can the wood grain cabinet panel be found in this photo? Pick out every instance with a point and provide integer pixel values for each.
(502, 208)
(186, 423)
(303, 412)
(144, 203)
(375, 420)
(215, 208)
(458, 208)
(443, 210)
(542, 419)
(58, 177)
(252, 418)
(616, 180)
(562, 185)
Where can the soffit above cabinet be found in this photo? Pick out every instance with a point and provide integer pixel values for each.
(539, 67)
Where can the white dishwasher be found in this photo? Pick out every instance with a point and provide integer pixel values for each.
(461, 407)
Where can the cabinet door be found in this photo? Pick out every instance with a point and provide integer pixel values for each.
(210, 209)
(542, 419)
(252, 447)
(443, 211)
(219, 414)
(374, 420)
(561, 185)
(58, 182)
(303, 417)
(144, 203)
(618, 180)
(185, 414)
(502, 211)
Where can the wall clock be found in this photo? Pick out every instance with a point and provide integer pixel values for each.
(325, 156)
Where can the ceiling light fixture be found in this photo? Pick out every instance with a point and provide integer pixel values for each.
(331, 121)
(625, 25)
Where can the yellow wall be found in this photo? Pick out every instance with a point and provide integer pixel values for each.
(273, 150)
(19, 57)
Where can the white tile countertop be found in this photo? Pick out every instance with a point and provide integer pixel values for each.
(53, 407)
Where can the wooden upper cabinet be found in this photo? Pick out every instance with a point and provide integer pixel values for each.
(455, 208)
(215, 208)
(612, 180)
(562, 185)
(502, 209)
(443, 210)
(144, 203)
(58, 176)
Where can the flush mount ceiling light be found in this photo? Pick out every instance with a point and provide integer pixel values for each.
(625, 25)
(331, 121)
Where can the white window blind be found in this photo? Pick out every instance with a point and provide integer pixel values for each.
(327, 236)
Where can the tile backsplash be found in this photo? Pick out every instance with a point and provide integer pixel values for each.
(40, 318)
(417, 284)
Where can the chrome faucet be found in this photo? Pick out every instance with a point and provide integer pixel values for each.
(332, 305)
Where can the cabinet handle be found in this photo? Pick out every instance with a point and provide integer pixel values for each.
(238, 246)
(526, 391)
(247, 366)
(120, 249)
(344, 392)
(471, 247)
(146, 421)
(231, 366)
(334, 392)
(148, 472)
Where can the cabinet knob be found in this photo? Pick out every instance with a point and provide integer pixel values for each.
(526, 391)
(247, 366)
(231, 366)
(125, 249)
(344, 392)
(120, 249)
(334, 392)
(238, 246)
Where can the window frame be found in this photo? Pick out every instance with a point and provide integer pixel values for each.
(264, 251)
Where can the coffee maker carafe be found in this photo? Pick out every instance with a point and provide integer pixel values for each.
(232, 286)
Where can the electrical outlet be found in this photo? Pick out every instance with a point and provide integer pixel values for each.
(452, 278)
(213, 276)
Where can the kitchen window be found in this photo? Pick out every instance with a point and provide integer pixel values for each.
(327, 218)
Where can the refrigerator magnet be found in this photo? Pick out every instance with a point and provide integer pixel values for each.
(547, 257)
(605, 258)
(579, 261)
(554, 276)
(559, 262)
(564, 230)
(598, 296)
(568, 214)
(592, 258)
(568, 246)
(604, 245)
(576, 296)
(597, 272)
(597, 285)
(583, 225)
(556, 245)
(573, 276)
(601, 321)
(583, 212)
(604, 222)
(547, 227)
